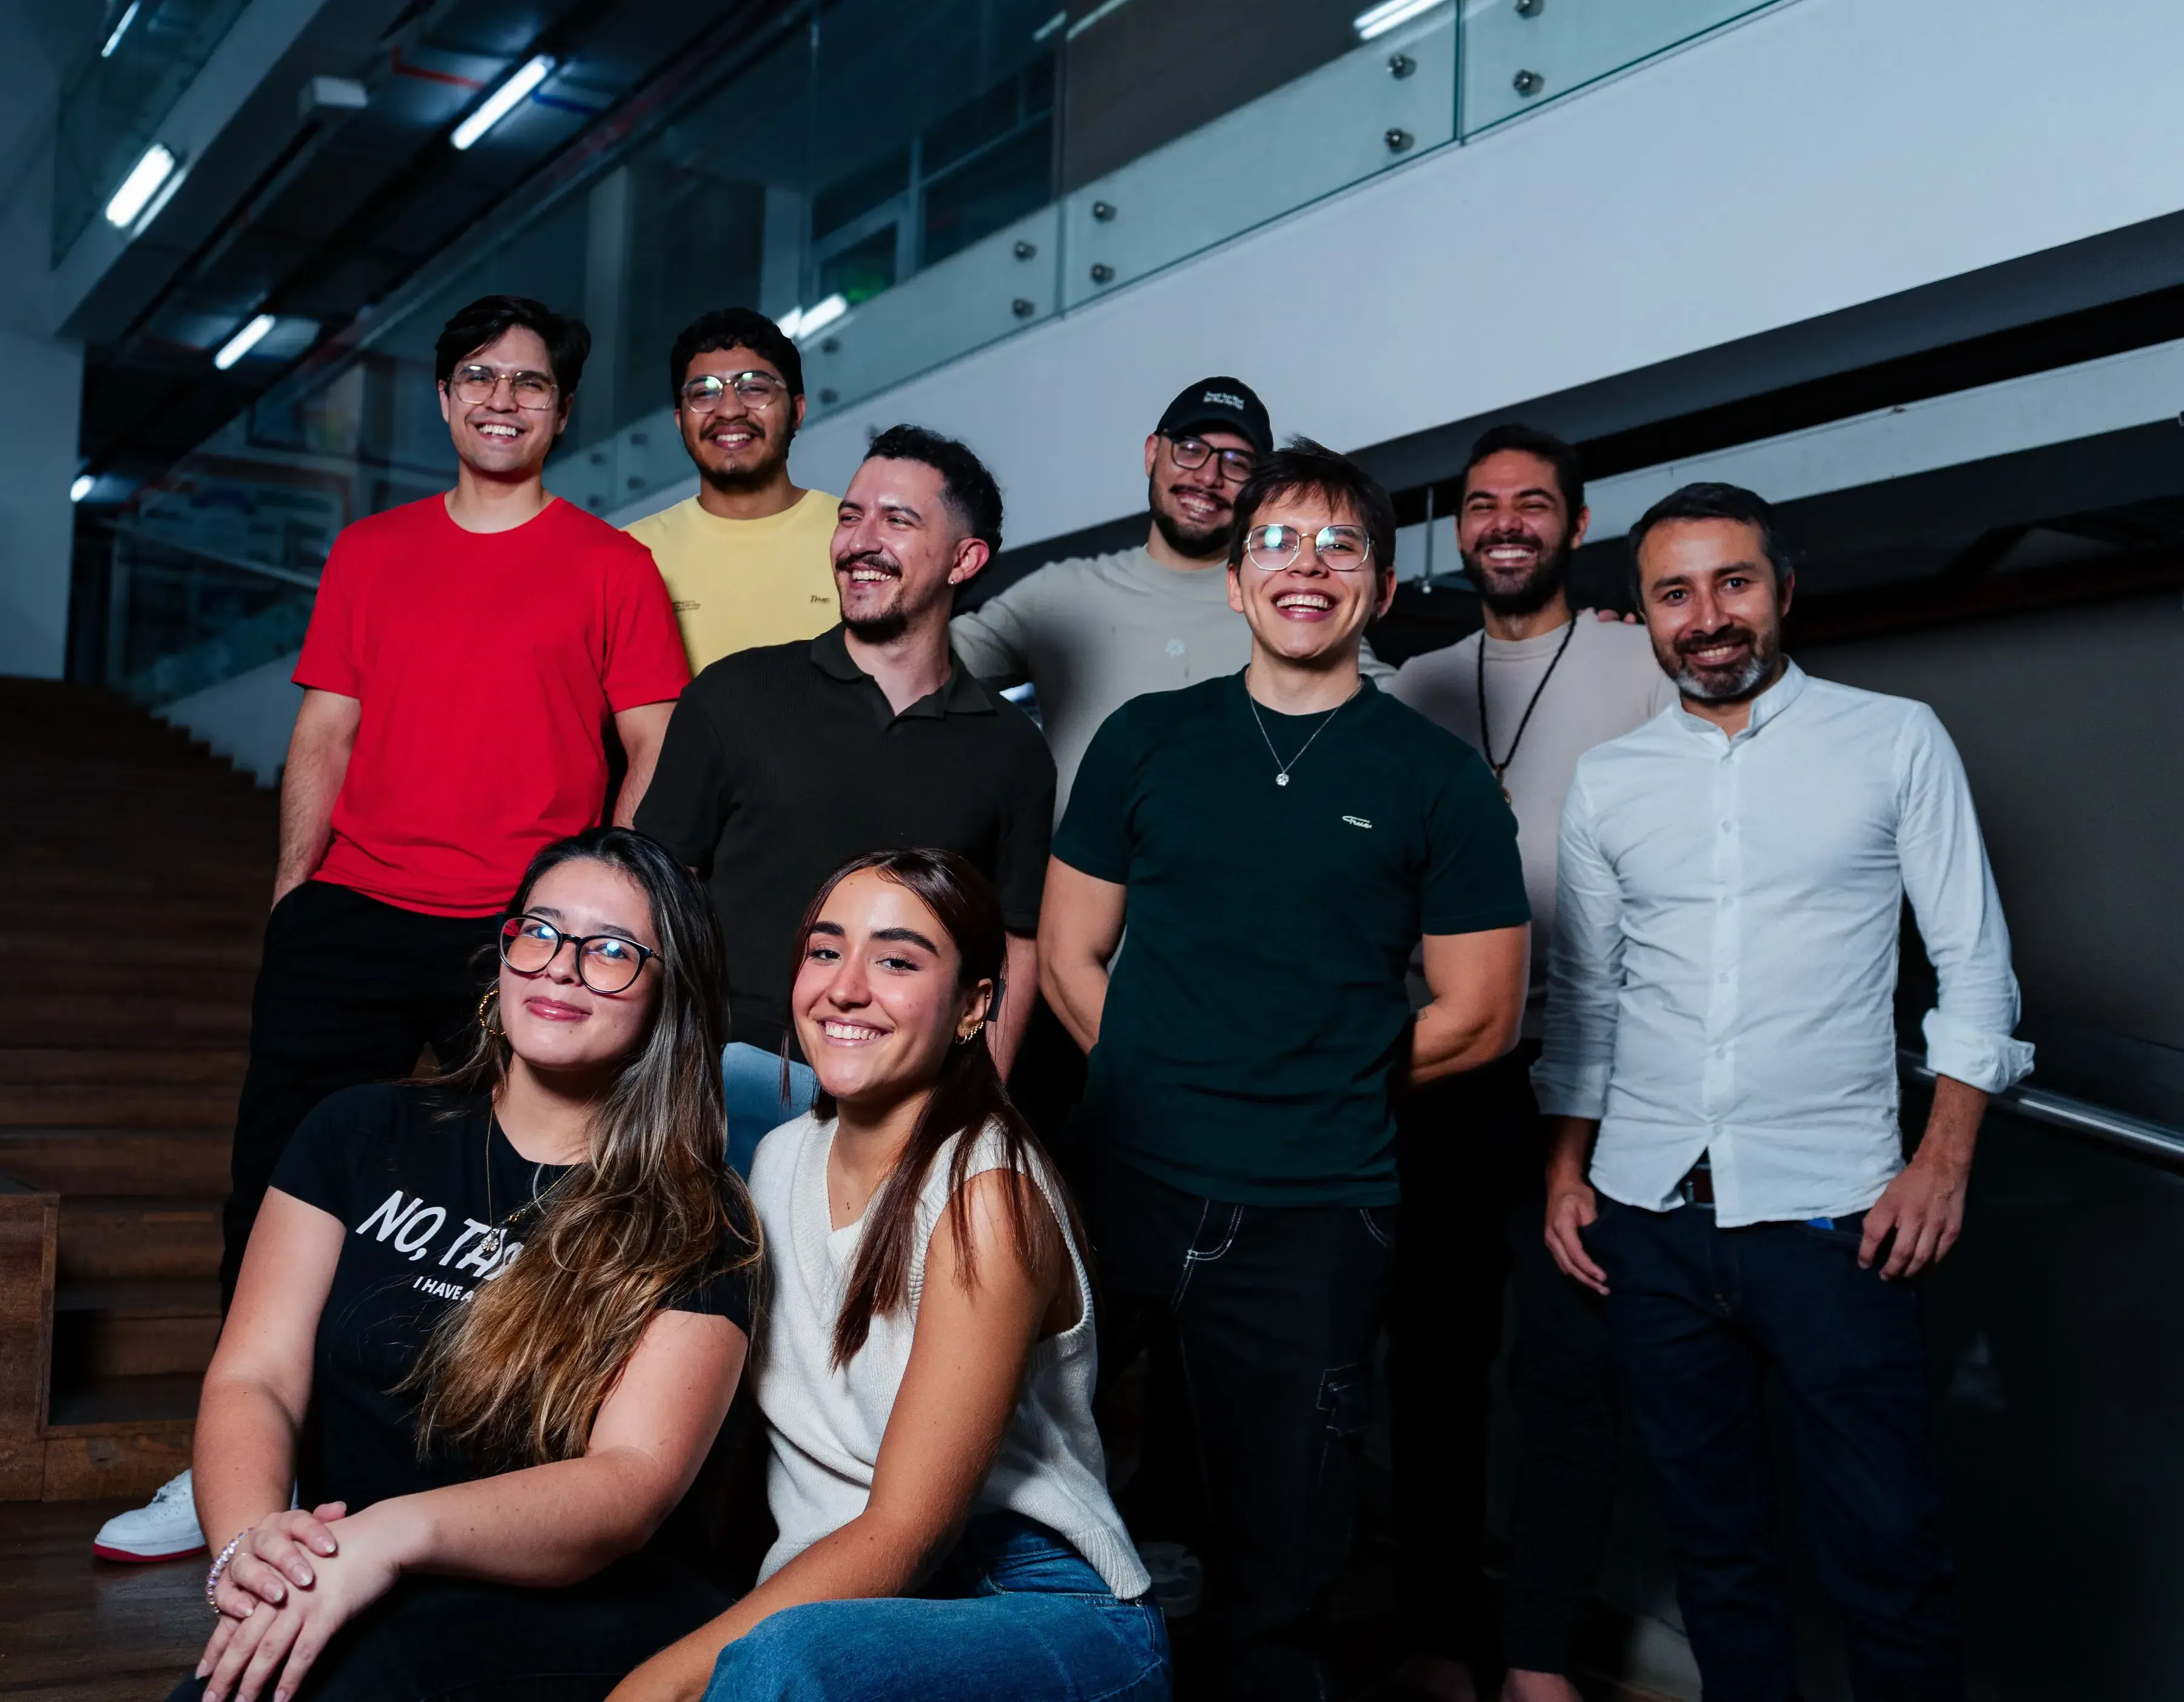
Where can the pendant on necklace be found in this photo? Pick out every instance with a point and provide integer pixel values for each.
(1281, 780)
(489, 1244)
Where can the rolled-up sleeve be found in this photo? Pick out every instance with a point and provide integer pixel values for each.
(1584, 969)
(1951, 887)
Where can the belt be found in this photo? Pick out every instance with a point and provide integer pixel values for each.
(1697, 1186)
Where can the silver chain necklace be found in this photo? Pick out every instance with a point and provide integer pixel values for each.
(1282, 769)
(490, 1243)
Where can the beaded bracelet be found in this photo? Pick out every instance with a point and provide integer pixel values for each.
(219, 1565)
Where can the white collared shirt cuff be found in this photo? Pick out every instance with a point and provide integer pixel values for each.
(1992, 1063)
(1570, 1091)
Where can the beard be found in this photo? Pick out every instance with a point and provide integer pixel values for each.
(1728, 682)
(880, 629)
(1531, 593)
(1197, 543)
(738, 481)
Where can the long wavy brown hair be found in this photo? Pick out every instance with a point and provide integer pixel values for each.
(967, 1096)
(519, 1374)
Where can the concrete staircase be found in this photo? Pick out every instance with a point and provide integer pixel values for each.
(135, 870)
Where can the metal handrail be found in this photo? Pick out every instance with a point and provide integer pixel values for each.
(2137, 1135)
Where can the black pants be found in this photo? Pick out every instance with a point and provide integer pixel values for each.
(349, 991)
(433, 1639)
(1273, 1310)
(1471, 1220)
(1699, 1315)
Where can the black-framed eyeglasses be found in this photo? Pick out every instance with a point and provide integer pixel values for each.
(1339, 549)
(605, 963)
(473, 386)
(1236, 464)
(754, 389)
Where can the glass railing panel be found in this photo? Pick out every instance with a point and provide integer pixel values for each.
(1519, 54)
(148, 51)
(1372, 106)
(182, 619)
(996, 286)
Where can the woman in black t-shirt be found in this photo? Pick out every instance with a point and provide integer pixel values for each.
(483, 1445)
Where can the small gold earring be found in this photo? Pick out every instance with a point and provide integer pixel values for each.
(491, 994)
(977, 1030)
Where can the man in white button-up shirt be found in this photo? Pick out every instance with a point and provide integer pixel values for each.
(1720, 1038)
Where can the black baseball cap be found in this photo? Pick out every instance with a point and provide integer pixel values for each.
(1227, 402)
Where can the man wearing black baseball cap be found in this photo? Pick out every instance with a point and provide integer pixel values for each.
(1093, 631)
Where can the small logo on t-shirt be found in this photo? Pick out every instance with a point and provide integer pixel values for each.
(1175, 647)
(814, 596)
(684, 608)
(1356, 821)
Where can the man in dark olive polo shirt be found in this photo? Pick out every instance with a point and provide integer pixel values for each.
(1278, 842)
(784, 762)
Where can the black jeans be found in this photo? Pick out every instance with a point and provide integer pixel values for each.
(434, 1639)
(348, 992)
(1699, 1313)
(1473, 1218)
(1273, 1310)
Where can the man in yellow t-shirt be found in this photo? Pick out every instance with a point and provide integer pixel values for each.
(747, 560)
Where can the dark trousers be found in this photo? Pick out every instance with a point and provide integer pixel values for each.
(1273, 1310)
(1699, 1313)
(433, 1639)
(349, 991)
(1471, 1221)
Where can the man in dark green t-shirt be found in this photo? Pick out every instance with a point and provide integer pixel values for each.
(1276, 842)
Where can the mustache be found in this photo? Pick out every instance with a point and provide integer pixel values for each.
(1691, 642)
(869, 558)
(1511, 535)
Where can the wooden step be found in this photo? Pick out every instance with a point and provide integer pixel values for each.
(93, 1065)
(133, 1326)
(230, 941)
(163, 1164)
(106, 1237)
(170, 1398)
(228, 982)
(116, 1019)
(120, 1105)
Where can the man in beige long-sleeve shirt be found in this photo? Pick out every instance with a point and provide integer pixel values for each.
(1532, 692)
(1093, 631)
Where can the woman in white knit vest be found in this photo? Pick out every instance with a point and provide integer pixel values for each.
(927, 1358)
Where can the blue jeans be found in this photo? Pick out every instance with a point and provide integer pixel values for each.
(1698, 1313)
(1015, 1614)
(752, 1080)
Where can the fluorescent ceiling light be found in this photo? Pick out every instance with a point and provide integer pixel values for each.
(140, 185)
(787, 323)
(1378, 21)
(242, 342)
(502, 101)
(120, 30)
(82, 487)
(1091, 17)
(812, 320)
(1050, 26)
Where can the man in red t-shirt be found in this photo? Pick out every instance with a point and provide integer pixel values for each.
(465, 658)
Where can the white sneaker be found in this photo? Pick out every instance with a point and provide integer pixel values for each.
(165, 1528)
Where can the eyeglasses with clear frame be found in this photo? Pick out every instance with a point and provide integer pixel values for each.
(1193, 453)
(473, 386)
(757, 391)
(605, 963)
(1339, 549)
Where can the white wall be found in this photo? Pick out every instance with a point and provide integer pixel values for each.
(1823, 154)
(248, 718)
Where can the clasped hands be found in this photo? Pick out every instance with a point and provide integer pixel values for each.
(295, 1579)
